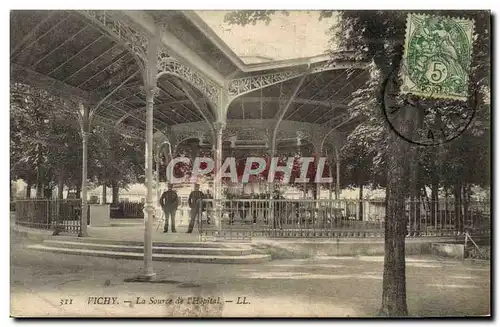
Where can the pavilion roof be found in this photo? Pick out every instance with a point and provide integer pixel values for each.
(65, 47)
(67, 51)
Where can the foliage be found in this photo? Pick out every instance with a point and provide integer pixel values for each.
(246, 17)
(44, 138)
(46, 145)
(378, 36)
(116, 158)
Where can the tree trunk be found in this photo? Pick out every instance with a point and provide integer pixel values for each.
(104, 195)
(458, 206)
(78, 191)
(115, 189)
(415, 187)
(446, 195)
(47, 191)
(401, 153)
(28, 190)
(394, 278)
(330, 171)
(465, 203)
(60, 188)
(434, 197)
(418, 216)
(360, 214)
(39, 190)
(39, 183)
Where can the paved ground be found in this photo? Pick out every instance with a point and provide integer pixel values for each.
(324, 287)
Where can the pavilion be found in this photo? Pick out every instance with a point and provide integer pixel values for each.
(166, 77)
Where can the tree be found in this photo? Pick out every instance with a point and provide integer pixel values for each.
(358, 157)
(64, 148)
(378, 36)
(115, 160)
(363, 33)
(40, 134)
(46, 147)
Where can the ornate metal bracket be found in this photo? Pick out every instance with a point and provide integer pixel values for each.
(338, 64)
(303, 135)
(168, 65)
(240, 86)
(252, 135)
(202, 136)
(121, 31)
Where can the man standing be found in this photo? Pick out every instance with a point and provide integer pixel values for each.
(169, 202)
(195, 204)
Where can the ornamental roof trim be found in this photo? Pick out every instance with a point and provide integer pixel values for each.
(237, 61)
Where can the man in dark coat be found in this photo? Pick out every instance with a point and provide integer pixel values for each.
(169, 202)
(194, 202)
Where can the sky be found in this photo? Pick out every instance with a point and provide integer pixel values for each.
(298, 35)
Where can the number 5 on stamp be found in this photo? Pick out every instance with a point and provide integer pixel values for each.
(437, 57)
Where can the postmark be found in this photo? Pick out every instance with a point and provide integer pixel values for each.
(437, 57)
(436, 121)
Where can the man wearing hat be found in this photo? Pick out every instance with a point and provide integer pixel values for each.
(195, 203)
(169, 202)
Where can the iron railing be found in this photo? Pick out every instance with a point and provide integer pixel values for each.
(127, 210)
(50, 214)
(337, 218)
(276, 218)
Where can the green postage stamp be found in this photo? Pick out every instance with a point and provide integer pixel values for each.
(437, 56)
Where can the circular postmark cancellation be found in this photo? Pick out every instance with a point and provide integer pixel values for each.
(431, 85)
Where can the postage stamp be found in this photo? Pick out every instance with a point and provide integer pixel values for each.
(437, 56)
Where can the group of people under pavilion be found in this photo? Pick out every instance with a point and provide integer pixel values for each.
(235, 198)
(200, 202)
(141, 73)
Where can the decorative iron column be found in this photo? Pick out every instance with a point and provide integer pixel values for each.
(270, 185)
(318, 149)
(219, 128)
(149, 208)
(84, 119)
(337, 180)
(330, 173)
(157, 174)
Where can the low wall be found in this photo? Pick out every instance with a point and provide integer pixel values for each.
(297, 248)
(450, 250)
(281, 249)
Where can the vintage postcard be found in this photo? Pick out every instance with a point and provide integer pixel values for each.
(258, 163)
